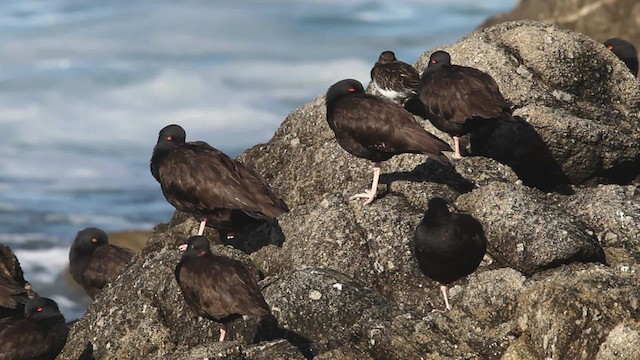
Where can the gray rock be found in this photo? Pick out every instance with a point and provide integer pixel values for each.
(526, 231)
(568, 312)
(622, 343)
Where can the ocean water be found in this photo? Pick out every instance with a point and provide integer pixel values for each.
(86, 85)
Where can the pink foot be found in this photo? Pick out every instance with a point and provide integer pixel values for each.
(367, 194)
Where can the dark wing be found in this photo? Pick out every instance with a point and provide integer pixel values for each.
(198, 178)
(459, 93)
(106, 264)
(379, 124)
(396, 75)
(216, 287)
(11, 294)
(26, 339)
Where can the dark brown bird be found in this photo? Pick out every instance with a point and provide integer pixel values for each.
(376, 129)
(12, 297)
(217, 287)
(39, 335)
(625, 51)
(448, 246)
(220, 192)
(457, 99)
(93, 262)
(394, 79)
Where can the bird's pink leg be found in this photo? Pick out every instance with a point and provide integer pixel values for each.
(223, 332)
(456, 147)
(369, 195)
(443, 288)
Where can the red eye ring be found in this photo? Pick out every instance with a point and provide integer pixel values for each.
(39, 309)
(169, 137)
(610, 47)
(94, 240)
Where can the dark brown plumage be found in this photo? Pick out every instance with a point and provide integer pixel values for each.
(394, 79)
(39, 335)
(93, 262)
(625, 51)
(457, 99)
(217, 287)
(448, 246)
(12, 296)
(198, 179)
(376, 129)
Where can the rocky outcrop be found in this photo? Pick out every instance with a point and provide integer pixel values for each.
(560, 278)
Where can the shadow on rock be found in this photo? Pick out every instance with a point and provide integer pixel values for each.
(431, 171)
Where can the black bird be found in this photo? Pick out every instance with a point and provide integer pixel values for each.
(457, 99)
(39, 335)
(201, 180)
(448, 246)
(625, 51)
(393, 78)
(93, 262)
(13, 296)
(217, 287)
(376, 129)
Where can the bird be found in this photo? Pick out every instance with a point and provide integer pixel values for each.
(93, 262)
(40, 334)
(448, 246)
(376, 129)
(199, 179)
(625, 51)
(458, 99)
(13, 296)
(394, 79)
(217, 287)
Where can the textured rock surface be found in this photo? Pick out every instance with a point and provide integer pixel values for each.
(596, 18)
(344, 284)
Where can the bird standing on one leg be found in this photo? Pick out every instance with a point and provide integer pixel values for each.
(217, 287)
(376, 129)
(201, 180)
(458, 99)
(448, 246)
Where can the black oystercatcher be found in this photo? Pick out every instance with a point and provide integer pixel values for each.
(199, 179)
(457, 99)
(12, 296)
(217, 287)
(448, 246)
(393, 78)
(376, 129)
(39, 335)
(625, 51)
(93, 262)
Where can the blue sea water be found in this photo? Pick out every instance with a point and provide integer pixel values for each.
(86, 85)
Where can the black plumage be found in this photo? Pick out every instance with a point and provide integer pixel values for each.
(458, 99)
(394, 79)
(13, 296)
(38, 335)
(217, 287)
(448, 246)
(220, 192)
(93, 262)
(376, 129)
(625, 51)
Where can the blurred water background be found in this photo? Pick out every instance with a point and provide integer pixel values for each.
(86, 85)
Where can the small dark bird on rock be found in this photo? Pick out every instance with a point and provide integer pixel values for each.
(199, 179)
(39, 335)
(625, 51)
(12, 296)
(448, 246)
(394, 79)
(458, 99)
(376, 129)
(93, 262)
(217, 287)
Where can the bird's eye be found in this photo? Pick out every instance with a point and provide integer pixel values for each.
(169, 137)
(351, 89)
(434, 61)
(610, 47)
(94, 240)
(39, 309)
